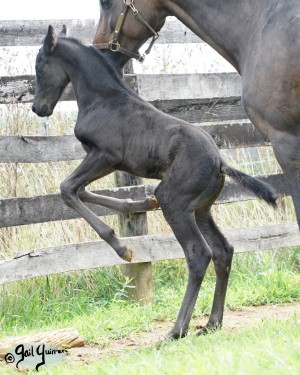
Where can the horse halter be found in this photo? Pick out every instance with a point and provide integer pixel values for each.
(114, 44)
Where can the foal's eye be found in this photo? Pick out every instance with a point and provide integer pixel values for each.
(105, 3)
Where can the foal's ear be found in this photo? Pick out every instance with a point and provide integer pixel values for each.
(50, 40)
(64, 31)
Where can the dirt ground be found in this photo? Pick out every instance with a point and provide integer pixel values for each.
(233, 321)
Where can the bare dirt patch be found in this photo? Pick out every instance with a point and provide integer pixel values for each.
(233, 320)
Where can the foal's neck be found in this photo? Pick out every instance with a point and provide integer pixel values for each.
(92, 77)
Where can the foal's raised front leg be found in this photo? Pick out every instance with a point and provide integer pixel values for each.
(94, 166)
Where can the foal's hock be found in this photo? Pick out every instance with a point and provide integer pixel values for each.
(120, 131)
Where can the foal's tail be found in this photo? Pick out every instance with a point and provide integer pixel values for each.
(259, 188)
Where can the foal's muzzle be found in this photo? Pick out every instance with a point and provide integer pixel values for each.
(44, 111)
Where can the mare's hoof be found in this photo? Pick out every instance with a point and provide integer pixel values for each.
(127, 255)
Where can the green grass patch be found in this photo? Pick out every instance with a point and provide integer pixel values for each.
(270, 347)
(96, 302)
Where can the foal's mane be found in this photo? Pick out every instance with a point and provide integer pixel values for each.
(99, 55)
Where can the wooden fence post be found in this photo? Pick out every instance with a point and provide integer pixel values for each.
(135, 224)
(140, 275)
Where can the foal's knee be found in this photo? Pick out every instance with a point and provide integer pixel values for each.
(67, 192)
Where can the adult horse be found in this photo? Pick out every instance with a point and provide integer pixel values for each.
(261, 39)
(120, 131)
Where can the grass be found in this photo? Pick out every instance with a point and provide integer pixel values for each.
(96, 303)
(271, 347)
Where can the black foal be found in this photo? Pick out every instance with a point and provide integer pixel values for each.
(120, 131)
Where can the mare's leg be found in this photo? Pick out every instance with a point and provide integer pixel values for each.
(180, 216)
(222, 257)
(121, 205)
(273, 107)
(94, 166)
(287, 151)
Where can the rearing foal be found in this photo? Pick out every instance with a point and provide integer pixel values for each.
(120, 131)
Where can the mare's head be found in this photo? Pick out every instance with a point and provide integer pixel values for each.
(51, 78)
(133, 29)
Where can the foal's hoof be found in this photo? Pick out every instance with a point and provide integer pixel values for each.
(173, 336)
(127, 255)
(208, 329)
(166, 340)
(154, 202)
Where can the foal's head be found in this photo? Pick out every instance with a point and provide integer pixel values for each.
(51, 78)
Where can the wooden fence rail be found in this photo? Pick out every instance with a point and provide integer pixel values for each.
(146, 249)
(32, 32)
(197, 98)
(40, 149)
(45, 208)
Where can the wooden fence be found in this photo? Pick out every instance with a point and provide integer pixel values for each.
(192, 97)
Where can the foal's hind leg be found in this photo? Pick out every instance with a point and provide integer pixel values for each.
(181, 218)
(121, 205)
(222, 257)
(94, 166)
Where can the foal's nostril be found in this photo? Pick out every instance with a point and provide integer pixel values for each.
(33, 109)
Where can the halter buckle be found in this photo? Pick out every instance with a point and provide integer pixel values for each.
(133, 8)
(114, 46)
(141, 58)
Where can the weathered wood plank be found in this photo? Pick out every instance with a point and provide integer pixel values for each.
(60, 338)
(39, 149)
(234, 192)
(145, 249)
(20, 89)
(236, 135)
(188, 86)
(17, 89)
(151, 87)
(202, 110)
(41, 209)
(32, 32)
